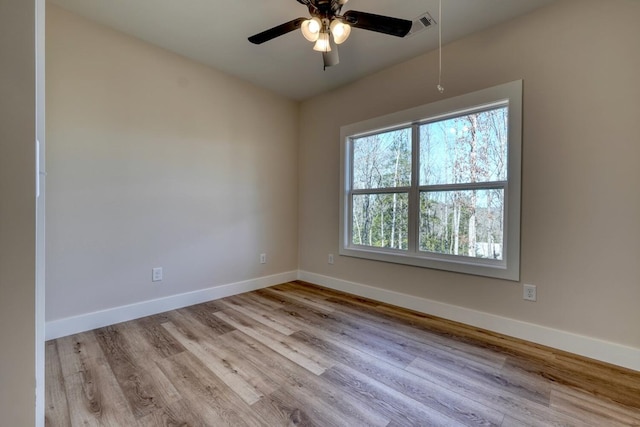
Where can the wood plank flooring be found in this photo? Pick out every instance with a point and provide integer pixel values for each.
(301, 355)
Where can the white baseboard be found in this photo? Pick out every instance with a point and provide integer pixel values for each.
(593, 348)
(86, 322)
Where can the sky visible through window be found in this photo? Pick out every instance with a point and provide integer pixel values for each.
(465, 149)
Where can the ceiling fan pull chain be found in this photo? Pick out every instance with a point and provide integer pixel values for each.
(440, 87)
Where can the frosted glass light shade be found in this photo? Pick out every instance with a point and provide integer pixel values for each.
(340, 31)
(323, 45)
(311, 29)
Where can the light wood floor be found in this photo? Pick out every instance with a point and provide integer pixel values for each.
(297, 354)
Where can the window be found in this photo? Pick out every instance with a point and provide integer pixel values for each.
(437, 186)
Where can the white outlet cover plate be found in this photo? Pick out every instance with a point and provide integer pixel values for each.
(156, 274)
(529, 292)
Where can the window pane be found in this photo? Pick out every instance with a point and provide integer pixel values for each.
(381, 220)
(467, 223)
(382, 160)
(470, 148)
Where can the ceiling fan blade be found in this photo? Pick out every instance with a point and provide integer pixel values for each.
(278, 31)
(331, 58)
(379, 23)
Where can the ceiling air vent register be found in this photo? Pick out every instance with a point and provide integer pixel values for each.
(421, 23)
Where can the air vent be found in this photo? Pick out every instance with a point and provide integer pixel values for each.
(421, 23)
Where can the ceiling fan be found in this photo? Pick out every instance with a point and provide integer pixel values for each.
(327, 28)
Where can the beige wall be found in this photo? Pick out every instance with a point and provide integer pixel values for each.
(154, 160)
(580, 63)
(17, 213)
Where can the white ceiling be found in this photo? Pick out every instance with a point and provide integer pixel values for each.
(215, 32)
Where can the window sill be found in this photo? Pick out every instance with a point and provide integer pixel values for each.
(457, 264)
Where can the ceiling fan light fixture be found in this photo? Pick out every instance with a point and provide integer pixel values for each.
(323, 44)
(340, 31)
(311, 29)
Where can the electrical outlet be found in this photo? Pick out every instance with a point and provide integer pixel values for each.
(330, 259)
(156, 274)
(263, 258)
(529, 292)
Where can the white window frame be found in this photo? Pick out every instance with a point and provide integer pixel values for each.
(508, 94)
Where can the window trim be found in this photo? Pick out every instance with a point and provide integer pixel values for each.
(505, 94)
